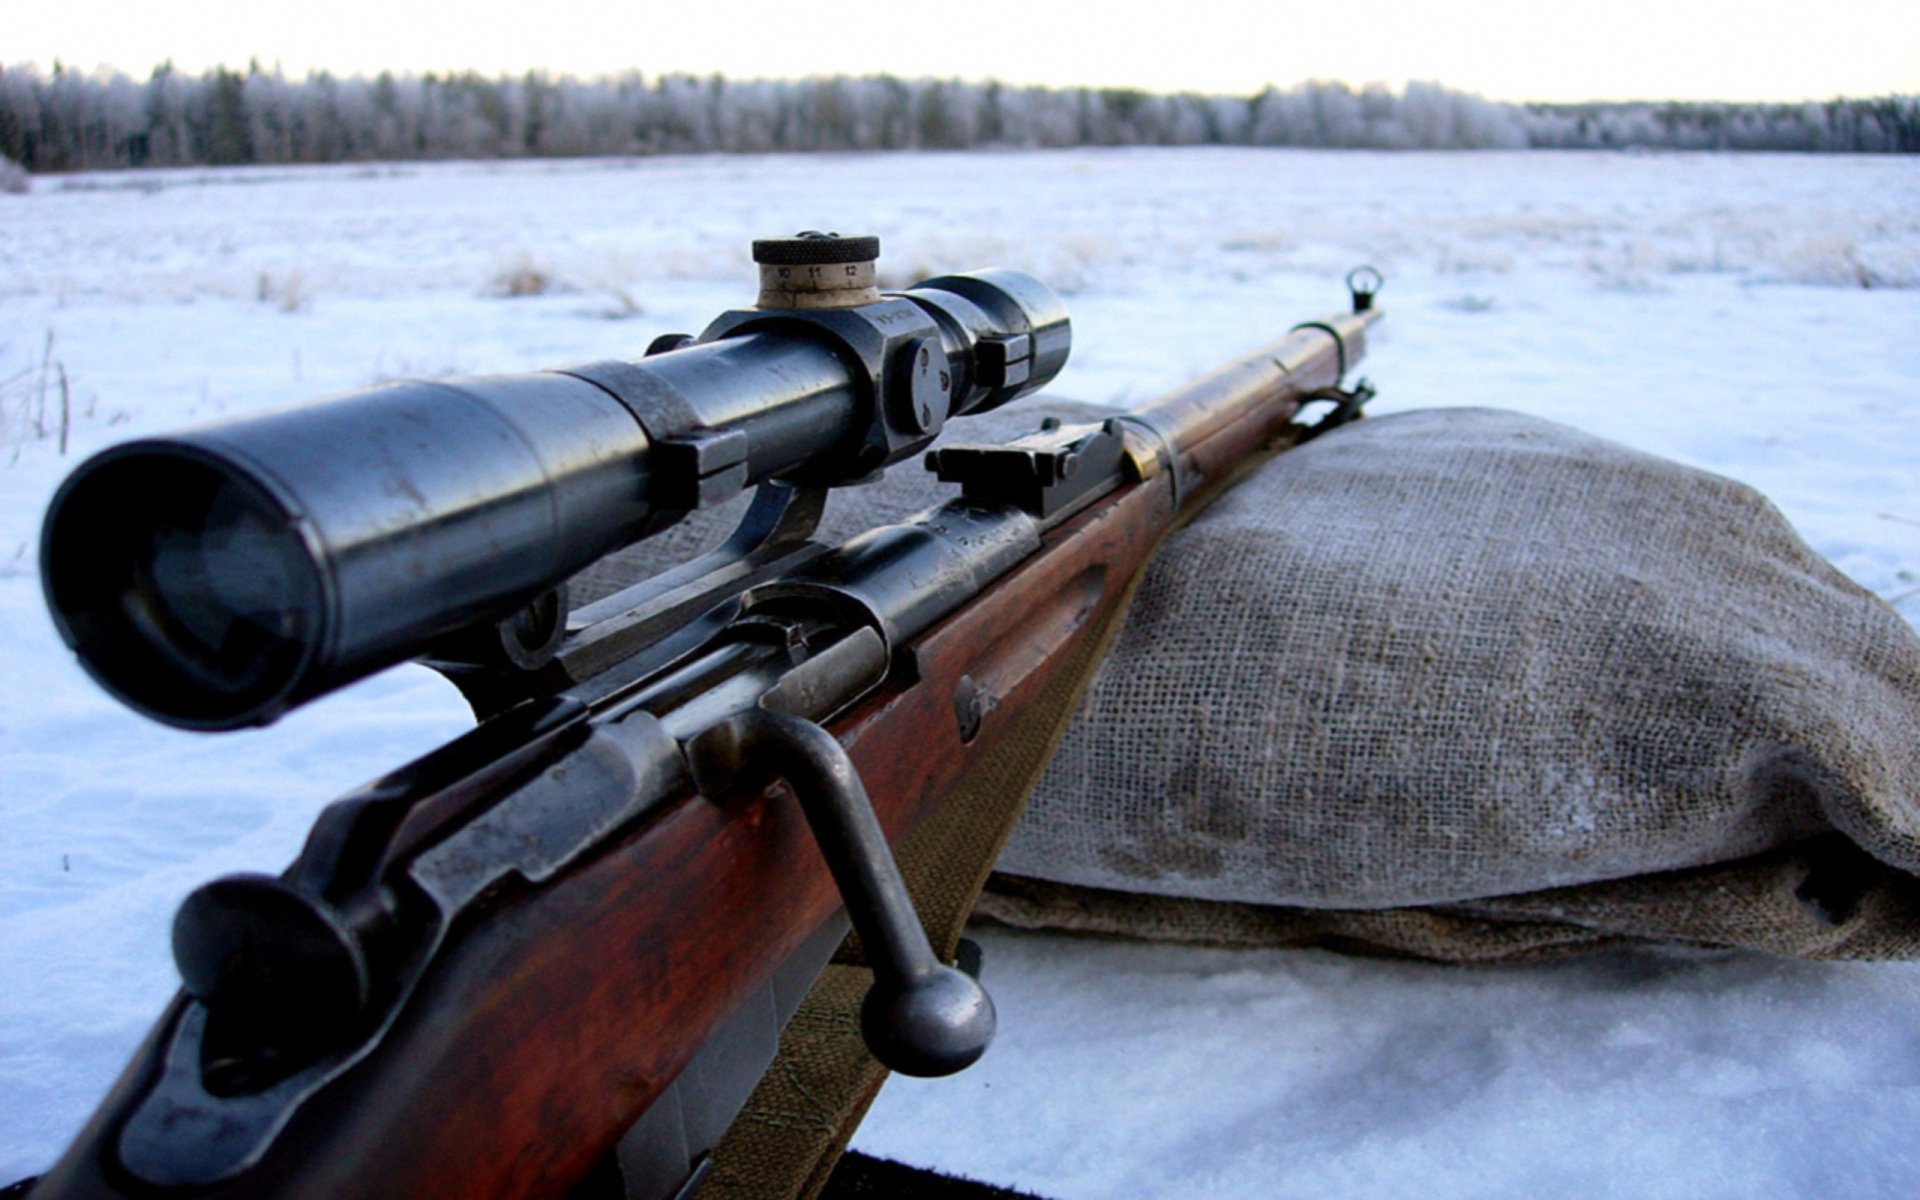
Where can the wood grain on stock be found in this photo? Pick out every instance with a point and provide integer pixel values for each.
(521, 1059)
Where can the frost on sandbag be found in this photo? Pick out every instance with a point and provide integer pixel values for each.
(1470, 685)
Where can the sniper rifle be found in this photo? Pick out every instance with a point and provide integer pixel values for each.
(555, 956)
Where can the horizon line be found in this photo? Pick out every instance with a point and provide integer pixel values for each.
(256, 66)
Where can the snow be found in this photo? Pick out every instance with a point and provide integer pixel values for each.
(1705, 308)
(1133, 1071)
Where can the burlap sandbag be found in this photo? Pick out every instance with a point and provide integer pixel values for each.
(1469, 685)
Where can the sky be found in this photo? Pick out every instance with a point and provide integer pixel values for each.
(1504, 49)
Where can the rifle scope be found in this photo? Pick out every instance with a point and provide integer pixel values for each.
(215, 578)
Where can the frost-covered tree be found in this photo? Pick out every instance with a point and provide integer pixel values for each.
(270, 107)
(19, 114)
(226, 136)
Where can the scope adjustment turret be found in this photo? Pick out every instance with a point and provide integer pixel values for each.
(812, 269)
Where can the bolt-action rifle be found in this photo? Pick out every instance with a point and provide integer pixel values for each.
(555, 956)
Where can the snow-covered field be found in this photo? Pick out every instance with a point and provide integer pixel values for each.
(1707, 308)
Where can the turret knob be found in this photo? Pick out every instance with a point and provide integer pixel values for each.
(816, 270)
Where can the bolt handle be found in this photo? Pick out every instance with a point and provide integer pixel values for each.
(920, 1017)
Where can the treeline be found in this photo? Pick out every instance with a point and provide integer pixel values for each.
(66, 120)
(1884, 125)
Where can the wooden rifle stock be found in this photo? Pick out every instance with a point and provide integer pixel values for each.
(548, 1023)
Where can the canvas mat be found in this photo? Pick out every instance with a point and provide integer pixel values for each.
(1469, 685)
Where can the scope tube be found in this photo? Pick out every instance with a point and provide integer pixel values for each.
(215, 578)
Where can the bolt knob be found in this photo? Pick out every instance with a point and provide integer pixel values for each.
(934, 1023)
(817, 270)
(256, 942)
